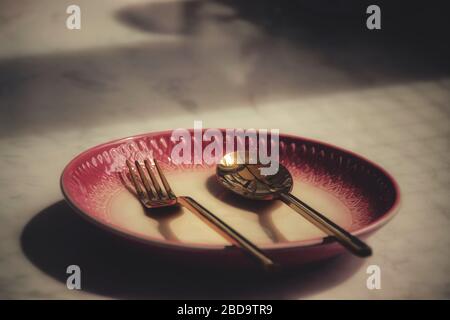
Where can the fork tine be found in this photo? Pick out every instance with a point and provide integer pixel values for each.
(164, 181)
(145, 181)
(136, 183)
(148, 166)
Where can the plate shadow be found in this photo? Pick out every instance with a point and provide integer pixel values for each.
(58, 237)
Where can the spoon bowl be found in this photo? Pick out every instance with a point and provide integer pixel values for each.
(236, 174)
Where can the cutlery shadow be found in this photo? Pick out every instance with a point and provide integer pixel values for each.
(164, 216)
(58, 237)
(263, 209)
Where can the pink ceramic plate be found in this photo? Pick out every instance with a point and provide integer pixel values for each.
(352, 191)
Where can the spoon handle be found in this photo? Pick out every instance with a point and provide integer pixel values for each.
(352, 243)
(228, 232)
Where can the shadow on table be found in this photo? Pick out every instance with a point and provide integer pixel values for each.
(225, 53)
(57, 237)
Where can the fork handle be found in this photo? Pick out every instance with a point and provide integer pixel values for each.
(349, 241)
(226, 231)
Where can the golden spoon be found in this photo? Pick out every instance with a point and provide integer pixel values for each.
(246, 180)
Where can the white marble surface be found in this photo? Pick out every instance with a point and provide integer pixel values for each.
(139, 66)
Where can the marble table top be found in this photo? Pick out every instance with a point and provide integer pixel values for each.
(138, 66)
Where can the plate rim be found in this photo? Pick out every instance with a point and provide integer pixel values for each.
(185, 246)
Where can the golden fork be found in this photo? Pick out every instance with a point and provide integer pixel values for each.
(154, 196)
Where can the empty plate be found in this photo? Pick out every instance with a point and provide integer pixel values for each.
(350, 190)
